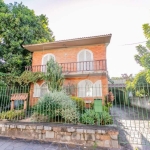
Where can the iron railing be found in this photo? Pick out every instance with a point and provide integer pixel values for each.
(96, 65)
(129, 111)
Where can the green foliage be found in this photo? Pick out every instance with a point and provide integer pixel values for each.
(140, 79)
(54, 77)
(4, 98)
(12, 115)
(57, 104)
(146, 28)
(20, 26)
(107, 106)
(8, 79)
(39, 117)
(91, 117)
(140, 86)
(26, 78)
(79, 103)
(142, 52)
(145, 61)
(143, 56)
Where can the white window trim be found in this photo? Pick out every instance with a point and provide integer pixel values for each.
(41, 87)
(82, 51)
(49, 54)
(93, 85)
(84, 81)
(99, 87)
(36, 90)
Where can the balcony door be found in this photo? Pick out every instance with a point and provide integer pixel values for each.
(85, 60)
(45, 59)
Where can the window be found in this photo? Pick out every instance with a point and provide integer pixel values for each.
(97, 88)
(39, 91)
(36, 92)
(85, 58)
(43, 89)
(45, 59)
(87, 89)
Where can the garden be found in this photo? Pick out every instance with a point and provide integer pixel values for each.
(56, 106)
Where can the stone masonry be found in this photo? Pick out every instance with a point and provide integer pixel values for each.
(82, 135)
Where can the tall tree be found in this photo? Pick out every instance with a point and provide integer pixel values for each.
(143, 56)
(142, 51)
(19, 26)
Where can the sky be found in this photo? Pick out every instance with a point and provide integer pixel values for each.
(81, 18)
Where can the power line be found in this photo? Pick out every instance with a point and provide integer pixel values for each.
(133, 43)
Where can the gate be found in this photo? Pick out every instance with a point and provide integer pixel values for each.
(131, 115)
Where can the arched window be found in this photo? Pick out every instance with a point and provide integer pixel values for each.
(85, 58)
(36, 92)
(97, 88)
(45, 59)
(43, 89)
(85, 88)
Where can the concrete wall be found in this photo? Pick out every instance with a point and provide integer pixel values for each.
(141, 102)
(71, 134)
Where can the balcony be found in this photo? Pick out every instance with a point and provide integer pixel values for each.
(75, 68)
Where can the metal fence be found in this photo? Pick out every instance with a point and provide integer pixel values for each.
(129, 111)
(72, 105)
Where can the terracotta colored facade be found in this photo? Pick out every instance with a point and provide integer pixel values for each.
(69, 55)
(66, 55)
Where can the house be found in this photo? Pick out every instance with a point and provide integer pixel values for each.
(83, 61)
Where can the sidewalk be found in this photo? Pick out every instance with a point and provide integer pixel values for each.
(18, 144)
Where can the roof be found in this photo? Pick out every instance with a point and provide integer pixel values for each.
(100, 39)
(19, 96)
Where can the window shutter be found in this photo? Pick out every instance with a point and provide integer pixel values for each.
(88, 87)
(97, 88)
(88, 57)
(45, 59)
(81, 89)
(36, 92)
(81, 61)
(85, 88)
(44, 89)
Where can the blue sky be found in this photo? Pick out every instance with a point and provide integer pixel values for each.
(80, 18)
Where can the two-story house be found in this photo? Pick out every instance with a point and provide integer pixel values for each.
(83, 61)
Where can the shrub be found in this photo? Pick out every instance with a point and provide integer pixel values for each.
(54, 76)
(57, 104)
(91, 117)
(12, 115)
(41, 118)
(79, 103)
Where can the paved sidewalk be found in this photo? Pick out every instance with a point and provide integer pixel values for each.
(18, 144)
(134, 127)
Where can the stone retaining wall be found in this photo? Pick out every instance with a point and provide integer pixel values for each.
(84, 135)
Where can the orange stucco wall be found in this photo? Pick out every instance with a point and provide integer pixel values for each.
(66, 55)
